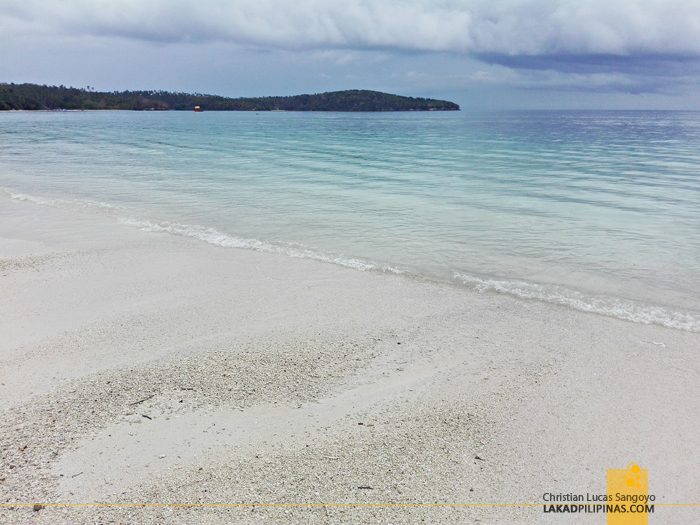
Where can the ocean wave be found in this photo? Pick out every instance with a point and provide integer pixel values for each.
(60, 203)
(213, 236)
(610, 306)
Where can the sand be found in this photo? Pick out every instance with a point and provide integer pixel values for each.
(141, 367)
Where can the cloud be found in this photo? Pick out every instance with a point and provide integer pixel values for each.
(482, 27)
(642, 64)
(634, 44)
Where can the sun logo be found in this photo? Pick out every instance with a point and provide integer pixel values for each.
(633, 477)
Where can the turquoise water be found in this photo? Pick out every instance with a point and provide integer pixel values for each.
(598, 211)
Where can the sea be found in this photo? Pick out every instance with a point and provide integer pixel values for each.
(597, 211)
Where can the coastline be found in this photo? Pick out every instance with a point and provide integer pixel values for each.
(251, 372)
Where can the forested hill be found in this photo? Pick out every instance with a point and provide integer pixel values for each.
(35, 97)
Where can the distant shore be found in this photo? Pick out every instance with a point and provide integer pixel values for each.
(35, 97)
(142, 367)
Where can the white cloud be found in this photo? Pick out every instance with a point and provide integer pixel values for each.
(620, 46)
(507, 27)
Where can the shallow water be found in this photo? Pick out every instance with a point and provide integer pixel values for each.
(599, 211)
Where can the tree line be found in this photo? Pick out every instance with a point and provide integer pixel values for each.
(36, 97)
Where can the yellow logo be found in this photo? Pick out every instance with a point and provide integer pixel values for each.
(634, 478)
(630, 488)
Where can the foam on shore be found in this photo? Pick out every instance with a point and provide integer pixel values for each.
(620, 308)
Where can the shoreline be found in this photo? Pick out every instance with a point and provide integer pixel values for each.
(638, 310)
(287, 357)
(229, 110)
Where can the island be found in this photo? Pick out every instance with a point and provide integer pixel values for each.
(47, 98)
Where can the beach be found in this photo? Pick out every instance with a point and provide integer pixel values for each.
(143, 368)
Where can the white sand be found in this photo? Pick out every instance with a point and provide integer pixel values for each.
(255, 371)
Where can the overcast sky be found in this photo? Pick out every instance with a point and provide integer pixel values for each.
(478, 53)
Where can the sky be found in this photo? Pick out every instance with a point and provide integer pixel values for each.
(482, 54)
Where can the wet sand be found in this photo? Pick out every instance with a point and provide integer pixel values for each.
(141, 367)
